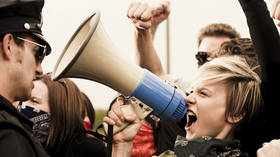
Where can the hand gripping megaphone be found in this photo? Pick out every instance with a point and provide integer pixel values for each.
(90, 54)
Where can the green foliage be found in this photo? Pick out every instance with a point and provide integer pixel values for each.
(100, 114)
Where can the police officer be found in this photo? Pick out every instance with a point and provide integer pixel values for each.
(22, 49)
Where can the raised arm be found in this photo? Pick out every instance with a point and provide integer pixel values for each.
(266, 41)
(146, 16)
(264, 35)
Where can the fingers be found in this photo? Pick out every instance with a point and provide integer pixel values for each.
(132, 118)
(145, 14)
(108, 120)
(166, 6)
(140, 11)
(265, 143)
(132, 8)
(114, 118)
(151, 11)
(270, 149)
(275, 10)
(116, 107)
(142, 25)
(115, 115)
(276, 14)
(272, 142)
(275, 7)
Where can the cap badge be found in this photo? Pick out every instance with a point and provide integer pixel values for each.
(27, 26)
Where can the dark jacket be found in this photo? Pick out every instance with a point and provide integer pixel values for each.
(208, 147)
(80, 146)
(205, 147)
(16, 136)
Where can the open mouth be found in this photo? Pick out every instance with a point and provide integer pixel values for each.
(191, 118)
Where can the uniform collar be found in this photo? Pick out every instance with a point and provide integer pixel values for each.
(7, 106)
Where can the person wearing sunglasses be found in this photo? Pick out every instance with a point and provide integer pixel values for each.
(22, 49)
(210, 39)
(147, 16)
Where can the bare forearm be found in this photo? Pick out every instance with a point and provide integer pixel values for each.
(146, 55)
(122, 149)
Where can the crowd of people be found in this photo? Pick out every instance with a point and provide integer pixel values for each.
(232, 102)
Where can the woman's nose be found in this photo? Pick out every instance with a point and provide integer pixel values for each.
(190, 99)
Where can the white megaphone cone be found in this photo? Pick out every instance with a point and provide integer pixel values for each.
(90, 54)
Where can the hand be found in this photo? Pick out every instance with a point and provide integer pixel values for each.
(117, 117)
(146, 14)
(271, 149)
(275, 11)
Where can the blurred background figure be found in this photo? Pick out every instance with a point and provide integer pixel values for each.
(210, 39)
(89, 114)
(58, 110)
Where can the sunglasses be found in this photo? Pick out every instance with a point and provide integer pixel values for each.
(41, 53)
(202, 57)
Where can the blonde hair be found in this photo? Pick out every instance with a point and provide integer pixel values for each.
(244, 95)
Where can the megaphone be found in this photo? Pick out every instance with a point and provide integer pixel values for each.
(90, 54)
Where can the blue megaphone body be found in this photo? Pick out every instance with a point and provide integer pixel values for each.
(162, 97)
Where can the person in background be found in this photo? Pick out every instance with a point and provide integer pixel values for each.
(146, 17)
(266, 41)
(272, 148)
(89, 115)
(56, 109)
(242, 47)
(210, 39)
(22, 49)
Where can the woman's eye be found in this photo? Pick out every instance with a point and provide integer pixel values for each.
(203, 93)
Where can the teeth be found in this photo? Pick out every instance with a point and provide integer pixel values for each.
(190, 113)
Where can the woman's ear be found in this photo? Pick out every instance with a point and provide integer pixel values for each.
(7, 45)
(234, 119)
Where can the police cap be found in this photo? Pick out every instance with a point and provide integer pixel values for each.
(22, 16)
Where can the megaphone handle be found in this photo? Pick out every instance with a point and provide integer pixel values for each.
(133, 106)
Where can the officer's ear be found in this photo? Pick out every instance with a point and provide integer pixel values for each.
(7, 44)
